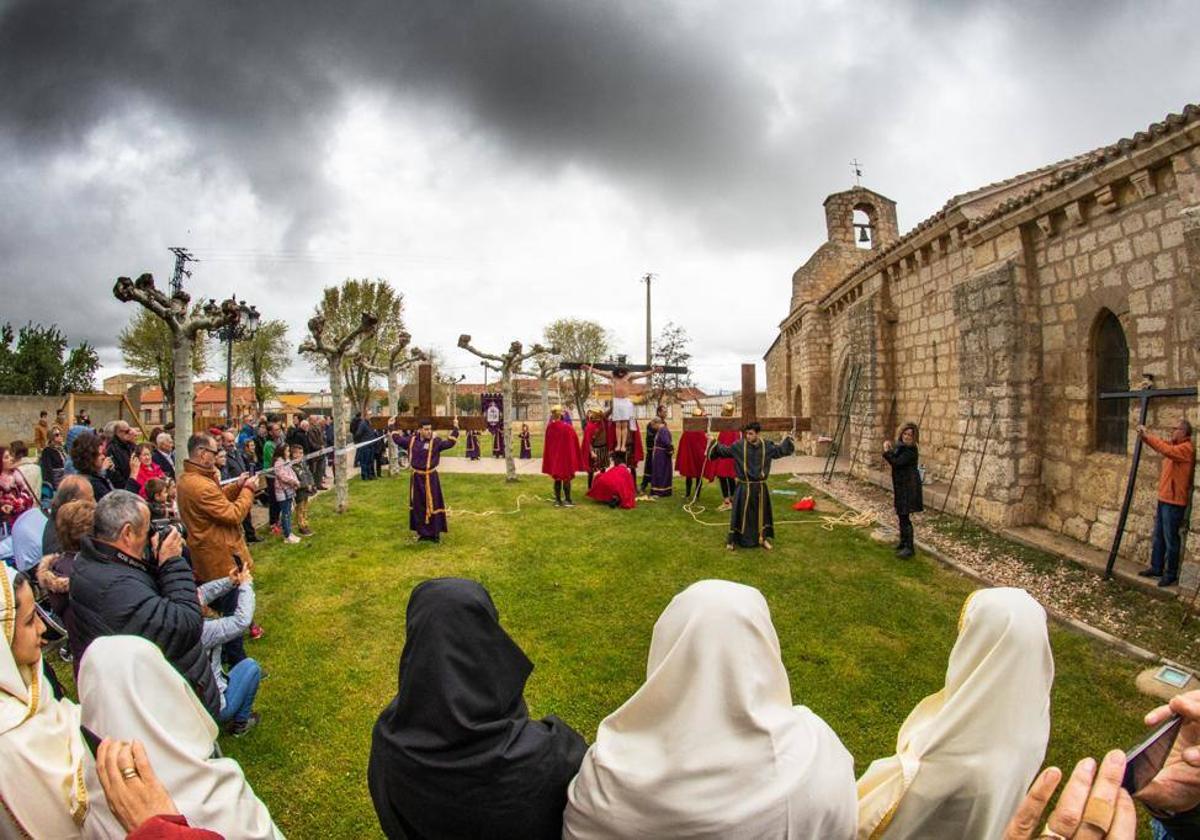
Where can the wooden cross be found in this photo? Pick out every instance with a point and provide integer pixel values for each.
(749, 412)
(425, 408)
(1144, 395)
(609, 366)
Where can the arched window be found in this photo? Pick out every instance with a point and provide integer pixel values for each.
(1110, 354)
(798, 402)
(864, 228)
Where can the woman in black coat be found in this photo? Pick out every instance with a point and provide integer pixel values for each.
(906, 484)
(456, 756)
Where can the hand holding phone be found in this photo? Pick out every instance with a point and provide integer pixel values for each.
(1175, 788)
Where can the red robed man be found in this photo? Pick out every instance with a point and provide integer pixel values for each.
(639, 450)
(614, 487)
(722, 468)
(593, 452)
(560, 456)
(689, 455)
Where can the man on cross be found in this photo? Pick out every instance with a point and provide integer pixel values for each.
(427, 507)
(622, 406)
(1174, 491)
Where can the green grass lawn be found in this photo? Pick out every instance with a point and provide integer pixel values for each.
(864, 636)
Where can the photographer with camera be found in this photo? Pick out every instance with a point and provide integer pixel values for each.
(213, 515)
(131, 579)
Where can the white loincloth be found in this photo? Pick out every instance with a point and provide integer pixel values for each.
(622, 410)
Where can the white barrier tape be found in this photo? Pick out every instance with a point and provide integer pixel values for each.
(320, 453)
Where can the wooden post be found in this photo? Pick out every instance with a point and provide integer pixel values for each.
(749, 394)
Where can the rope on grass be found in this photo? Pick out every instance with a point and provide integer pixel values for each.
(847, 518)
(524, 497)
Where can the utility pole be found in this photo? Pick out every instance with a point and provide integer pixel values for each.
(182, 258)
(647, 278)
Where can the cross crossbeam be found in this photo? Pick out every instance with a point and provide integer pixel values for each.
(631, 368)
(749, 413)
(424, 409)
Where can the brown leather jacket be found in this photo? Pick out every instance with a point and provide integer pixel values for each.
(213, 515)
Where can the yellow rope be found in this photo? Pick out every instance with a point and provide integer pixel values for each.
(524, 497)
(847, 518)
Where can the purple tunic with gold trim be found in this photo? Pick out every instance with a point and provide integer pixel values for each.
(526, 445)
(473, 445)
(661, 474)
(427, 508)
(497, 442)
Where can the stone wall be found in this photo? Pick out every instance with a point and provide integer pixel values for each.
(18, 414)
(1124, 254)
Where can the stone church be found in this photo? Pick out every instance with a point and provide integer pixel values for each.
(996, 323)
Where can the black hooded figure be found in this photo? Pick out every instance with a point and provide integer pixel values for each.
(455, 754)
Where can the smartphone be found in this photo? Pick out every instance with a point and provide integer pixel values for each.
(1143, 762)
(91, 739)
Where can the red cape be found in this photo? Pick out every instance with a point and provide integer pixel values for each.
(618, 482)
(585, 448)
(560, 452)
(639, 451)
(689, 455)
(722, 467)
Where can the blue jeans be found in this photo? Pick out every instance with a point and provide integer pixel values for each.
(366, 462)
(241, 691)
(285, 517)
(1167, 520)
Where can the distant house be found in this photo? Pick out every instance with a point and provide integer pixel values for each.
(209, 401)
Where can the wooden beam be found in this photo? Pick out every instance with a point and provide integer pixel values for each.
(631, 368)
(749, 394)
(769, 424)
(424, 390)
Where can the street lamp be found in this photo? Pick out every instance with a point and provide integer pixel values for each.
(243, 328)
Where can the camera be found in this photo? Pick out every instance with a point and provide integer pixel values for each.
(161, 528)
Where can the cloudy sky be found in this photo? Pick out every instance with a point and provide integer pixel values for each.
(509, 162)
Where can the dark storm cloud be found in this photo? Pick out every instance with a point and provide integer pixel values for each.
(636, 88)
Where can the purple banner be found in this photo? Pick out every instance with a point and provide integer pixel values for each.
(493, 410)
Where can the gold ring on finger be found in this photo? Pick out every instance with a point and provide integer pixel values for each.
(129, 772)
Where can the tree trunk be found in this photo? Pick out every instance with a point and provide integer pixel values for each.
(341, 438)
(545, 399)
(510, 397)
(185, 396)
(393, 386)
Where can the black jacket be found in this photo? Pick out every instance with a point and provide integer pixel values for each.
(906, 480)
(101, 486)
(165, 462)
(120, 453)
(113, 594)
(298, 437)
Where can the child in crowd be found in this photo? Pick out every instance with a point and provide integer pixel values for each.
(156, 492)
(304, 491)
(286, 484)
(240, 687)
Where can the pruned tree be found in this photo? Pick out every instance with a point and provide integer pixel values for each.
(335, 346)
(389, 364)
(342, 307)
(507, 365)
(147, 346)
(545, 368)
(264, 357)
(578, 341)
(671, 349)
(187, 327)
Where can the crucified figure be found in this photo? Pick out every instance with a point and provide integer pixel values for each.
(622, 407)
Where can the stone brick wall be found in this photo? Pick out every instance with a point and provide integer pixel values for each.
(1124, 254)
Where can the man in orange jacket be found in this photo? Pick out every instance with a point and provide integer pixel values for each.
(1174, 492)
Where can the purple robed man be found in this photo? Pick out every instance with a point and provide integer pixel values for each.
(427, 508)
(661, 471)
(498, 442)
(472, 445)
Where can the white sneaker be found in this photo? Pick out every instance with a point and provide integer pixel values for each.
(292, 539)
